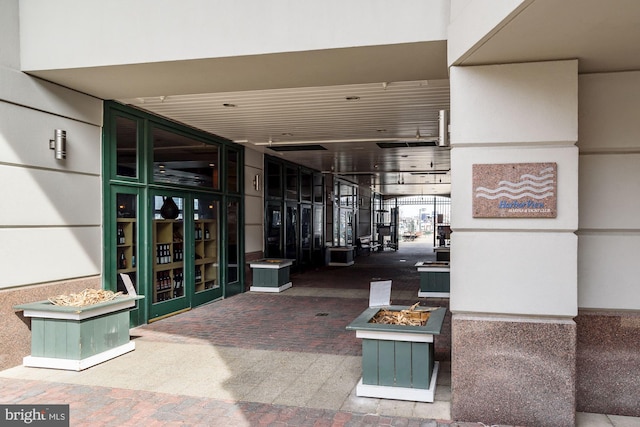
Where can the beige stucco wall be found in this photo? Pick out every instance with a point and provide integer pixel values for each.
(609, 233)
(50, 220)
(193, 29)
(515, 113)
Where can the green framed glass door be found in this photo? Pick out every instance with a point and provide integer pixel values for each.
(232, 274)
(306, 226)
(123, 259)
(206, 249)
(170, 253)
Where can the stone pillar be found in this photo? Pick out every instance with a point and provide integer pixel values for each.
(514, 280)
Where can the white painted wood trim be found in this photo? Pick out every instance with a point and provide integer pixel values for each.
(270, 288)
(78, 365)
(273, 265)
(80, 314)
(433, 294)
(344, 264)
(394, 336)
(400, 393)
(434, 269)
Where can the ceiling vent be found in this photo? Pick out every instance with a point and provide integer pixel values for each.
(301, 147)
(406, 144)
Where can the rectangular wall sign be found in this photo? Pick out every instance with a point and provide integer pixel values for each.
(515, 190)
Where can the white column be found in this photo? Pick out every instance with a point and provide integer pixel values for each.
(514, 280)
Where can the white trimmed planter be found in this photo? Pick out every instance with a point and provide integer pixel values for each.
(271, 275)
(76, 338)
(398, 360)
(434, 279)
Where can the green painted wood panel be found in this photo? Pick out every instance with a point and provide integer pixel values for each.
(370, 362)
(403, 363)
(386, 362)
(265, 277)
(270, 277)
(397, 363)
(283, 276)
(37, 337)
(421, 365)
(72, 344)
(435, 281)
(76, 340)
(103, 333)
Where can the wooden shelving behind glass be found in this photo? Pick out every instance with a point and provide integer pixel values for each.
(168, 268)
(126, 247)
(206, 249)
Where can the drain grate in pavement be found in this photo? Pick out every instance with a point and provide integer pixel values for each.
(321, 314)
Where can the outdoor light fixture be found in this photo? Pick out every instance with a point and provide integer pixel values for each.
(256, 182)
(443, 122)
(59, 144)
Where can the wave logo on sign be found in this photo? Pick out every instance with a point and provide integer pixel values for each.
(534, 186)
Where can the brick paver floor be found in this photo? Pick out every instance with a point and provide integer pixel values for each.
(113, 407)
(274, 322)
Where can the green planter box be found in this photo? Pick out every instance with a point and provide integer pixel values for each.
(434, 279)
(76, 338)
(443, 253)
(398, 360)
(341, 255)
(271, 275)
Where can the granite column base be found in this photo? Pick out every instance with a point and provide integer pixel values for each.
(607, 362)
(513, 370)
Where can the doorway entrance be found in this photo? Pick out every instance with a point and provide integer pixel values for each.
(174, 196)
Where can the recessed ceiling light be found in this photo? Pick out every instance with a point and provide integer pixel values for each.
(161, 166)
(211, 165)
(229, 105)
(352, 98)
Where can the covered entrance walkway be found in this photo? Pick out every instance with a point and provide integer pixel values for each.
(256, 359)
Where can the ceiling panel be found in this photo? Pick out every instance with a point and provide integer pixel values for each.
(347, 121)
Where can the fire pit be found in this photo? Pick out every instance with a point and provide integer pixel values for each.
(413, 316)
(398, 359)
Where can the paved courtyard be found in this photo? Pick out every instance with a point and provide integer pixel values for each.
(257, 359)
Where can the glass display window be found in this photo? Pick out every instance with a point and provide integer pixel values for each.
(183, 160)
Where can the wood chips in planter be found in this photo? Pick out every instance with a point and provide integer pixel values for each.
(86, 297)
(413, 316)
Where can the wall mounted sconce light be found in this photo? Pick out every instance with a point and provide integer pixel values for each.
(59, 144)
(443, 127)
(256, 182)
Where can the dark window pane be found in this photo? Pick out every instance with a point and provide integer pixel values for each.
(292, 183)
(232, 172)
(291, 235)
(233, 209)
(274, 231)
(178, 159)
(305, 186)
(318, 188)
(274, 181)
(126, 147)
